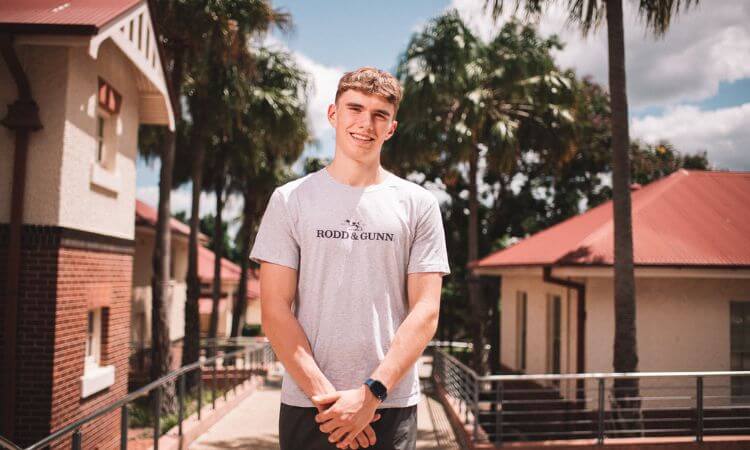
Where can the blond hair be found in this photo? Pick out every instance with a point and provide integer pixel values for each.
(370, 80)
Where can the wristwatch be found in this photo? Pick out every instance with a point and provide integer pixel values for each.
(377, 388)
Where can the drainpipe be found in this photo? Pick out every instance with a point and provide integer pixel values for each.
(580, 326)
(22, 118)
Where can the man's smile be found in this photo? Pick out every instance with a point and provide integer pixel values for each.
(361, 137)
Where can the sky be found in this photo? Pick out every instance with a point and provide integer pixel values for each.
(691, 87)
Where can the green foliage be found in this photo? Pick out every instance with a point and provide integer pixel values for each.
(543, 135)
(252, 330)
(140, 411)
(651, 162)
(590, 14)
(229, 250)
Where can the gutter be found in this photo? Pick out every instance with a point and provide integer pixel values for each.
(580, 325)
(22, 118)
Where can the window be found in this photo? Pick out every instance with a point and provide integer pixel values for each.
(104, 175)
(554, 313)
(96, 377)
(739, 348)
(99, 139)
(94, 338)
(521, 322)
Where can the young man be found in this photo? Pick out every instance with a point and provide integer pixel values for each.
(359, 254)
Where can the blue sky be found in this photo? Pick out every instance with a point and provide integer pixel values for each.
(691, 87)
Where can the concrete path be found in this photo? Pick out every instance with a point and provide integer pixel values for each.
(254, 424)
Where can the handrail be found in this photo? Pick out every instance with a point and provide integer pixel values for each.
(503, 411)
(76, 425)
(592, 375)
(9, 444)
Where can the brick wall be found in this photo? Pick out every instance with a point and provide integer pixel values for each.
(64, 272)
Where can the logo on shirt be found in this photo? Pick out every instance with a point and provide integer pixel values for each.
(352, 225)
(354, 230)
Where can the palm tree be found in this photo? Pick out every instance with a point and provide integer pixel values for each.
(219, 33)
(174, 52)
(274, 133)
(589, 15)
(464, 98)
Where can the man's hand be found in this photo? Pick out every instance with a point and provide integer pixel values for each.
(351, 412)
(365, 438)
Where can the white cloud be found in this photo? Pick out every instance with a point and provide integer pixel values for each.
(723, 133)
(324, 79)
(706, 45)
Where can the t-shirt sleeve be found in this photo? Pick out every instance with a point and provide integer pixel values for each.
(428, 250)
(276, 240)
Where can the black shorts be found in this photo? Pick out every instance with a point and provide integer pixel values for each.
(395, 430)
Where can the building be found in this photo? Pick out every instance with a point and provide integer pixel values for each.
(691, 233)
(145, 230)
(79, 78)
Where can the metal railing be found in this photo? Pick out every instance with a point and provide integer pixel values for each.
(597, 406)
(251, 359)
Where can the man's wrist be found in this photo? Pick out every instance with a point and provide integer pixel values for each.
(377, 388)
(370, 398)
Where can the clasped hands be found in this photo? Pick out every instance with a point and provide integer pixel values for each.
(348, 414)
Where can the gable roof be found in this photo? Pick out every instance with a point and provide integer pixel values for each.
(127, 24)
(690, 218)
(147, 215)
(230, 272)
(84, 17)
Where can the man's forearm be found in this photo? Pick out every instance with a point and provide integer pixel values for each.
(408, 344)
(293, 350)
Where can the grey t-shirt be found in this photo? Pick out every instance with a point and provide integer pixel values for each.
(353, 248)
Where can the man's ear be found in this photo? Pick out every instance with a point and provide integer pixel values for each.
(391, 130)
(332, 114)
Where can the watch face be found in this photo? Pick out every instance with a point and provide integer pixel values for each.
(377, 388)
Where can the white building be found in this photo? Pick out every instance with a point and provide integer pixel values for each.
(691, 233)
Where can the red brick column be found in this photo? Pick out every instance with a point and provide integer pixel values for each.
(64, 272)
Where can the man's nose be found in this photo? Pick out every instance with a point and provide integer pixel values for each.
(366, 121)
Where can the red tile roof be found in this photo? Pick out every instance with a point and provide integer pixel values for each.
(689, 218)
(61, 16)
(146, 214)
(229, 271)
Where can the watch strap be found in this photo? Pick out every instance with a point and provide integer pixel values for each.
(377, 388)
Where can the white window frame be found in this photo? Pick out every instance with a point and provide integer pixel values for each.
(104, 174)
(96, 377)
(93, 338)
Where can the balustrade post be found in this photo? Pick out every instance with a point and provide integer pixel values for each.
(600, 421)
(699, 409)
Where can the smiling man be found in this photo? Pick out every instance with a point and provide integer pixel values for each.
(352, 258)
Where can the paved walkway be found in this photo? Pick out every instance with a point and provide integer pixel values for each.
(254, 424)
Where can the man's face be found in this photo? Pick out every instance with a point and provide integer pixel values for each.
(362, 123)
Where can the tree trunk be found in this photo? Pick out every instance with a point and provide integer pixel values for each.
(191, 343)
(479, 362)
(248, 215)
(161, 357)
(625, 350)
(218, 245)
